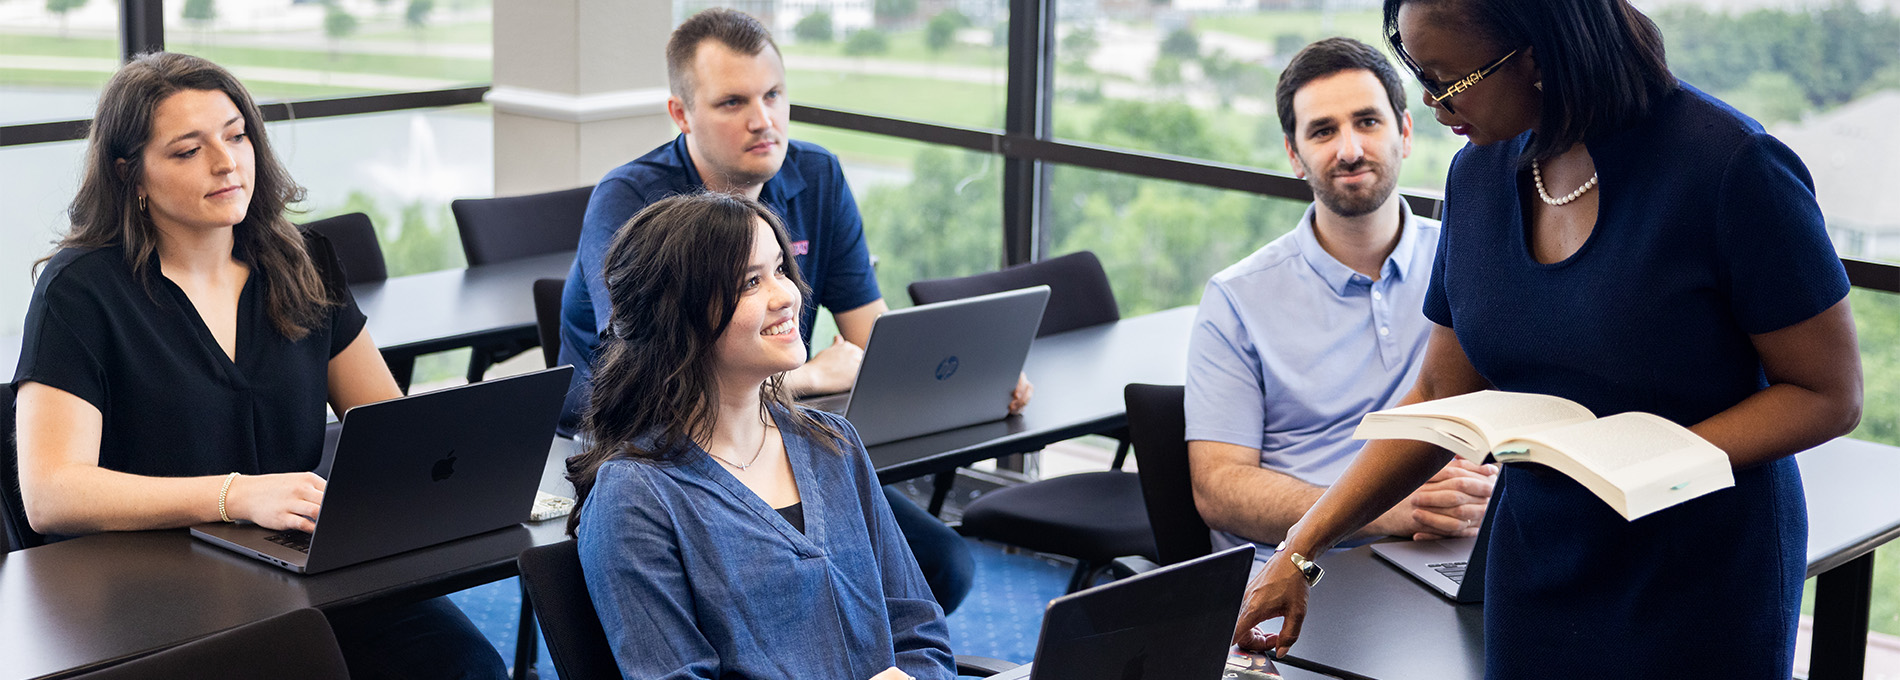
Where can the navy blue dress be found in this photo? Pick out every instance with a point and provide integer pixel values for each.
(1707, 232)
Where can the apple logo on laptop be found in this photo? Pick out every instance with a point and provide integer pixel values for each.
(444, 468)
(947, 368)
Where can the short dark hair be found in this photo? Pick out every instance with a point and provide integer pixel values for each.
(1325, 58)
(730, 27)
(1602, 61)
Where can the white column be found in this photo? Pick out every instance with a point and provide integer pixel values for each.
(580, 87)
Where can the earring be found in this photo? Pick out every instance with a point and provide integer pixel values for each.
(141, 203)
(1539, 85)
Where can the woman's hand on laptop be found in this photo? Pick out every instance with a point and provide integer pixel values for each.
(282, 501)
(892, 674)
(1019, 398)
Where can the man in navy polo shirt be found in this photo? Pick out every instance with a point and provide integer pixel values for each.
(728, 100)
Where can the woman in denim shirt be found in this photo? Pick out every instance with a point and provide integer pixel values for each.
(725, 532)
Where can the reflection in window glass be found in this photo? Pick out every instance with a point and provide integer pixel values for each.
(935, 61)
(1196, 79)
(1160, 241)
(401, 168)
(287, 49)
(54, 58)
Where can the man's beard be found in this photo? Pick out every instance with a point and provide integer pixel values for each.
(1347, 203)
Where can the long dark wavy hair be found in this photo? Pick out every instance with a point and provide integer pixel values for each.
(106, 211)
(1602, 61)
(673, 276)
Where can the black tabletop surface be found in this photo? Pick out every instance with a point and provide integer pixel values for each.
(452, 308)
(1368, 619)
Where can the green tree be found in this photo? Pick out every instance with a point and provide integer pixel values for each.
(1182, 44)
(416, 15)
(61, 7)
(867, 42)
(888, 12)
(815, 27)
(338, 24)
(946, 222)
(942, 29)
(1077, 47)
(200, 12)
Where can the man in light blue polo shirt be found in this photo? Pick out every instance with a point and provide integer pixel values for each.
(1296, 342)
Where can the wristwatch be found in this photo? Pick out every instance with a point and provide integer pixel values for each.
(1308, 569)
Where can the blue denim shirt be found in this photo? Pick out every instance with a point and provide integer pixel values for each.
(694, 576)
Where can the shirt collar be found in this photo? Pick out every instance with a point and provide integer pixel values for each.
(1336, 274)
(780, 187)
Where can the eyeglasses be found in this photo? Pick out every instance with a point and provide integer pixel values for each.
(1442, 94)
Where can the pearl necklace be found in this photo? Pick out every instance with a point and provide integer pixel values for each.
(1537, 176)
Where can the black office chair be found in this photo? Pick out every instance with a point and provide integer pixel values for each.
(1158, 425)
(514, 227)
(547, 318)
(552, 577)
(294, 646)
(354, 239)
(1093, 517)
(510, 228)
(19, 535)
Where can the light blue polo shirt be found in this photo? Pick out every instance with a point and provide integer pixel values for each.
(1291, 347)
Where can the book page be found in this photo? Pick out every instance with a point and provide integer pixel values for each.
(1623, 440)
(1500, 415)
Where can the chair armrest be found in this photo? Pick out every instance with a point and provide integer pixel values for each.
(1124, 567)
(981, 666)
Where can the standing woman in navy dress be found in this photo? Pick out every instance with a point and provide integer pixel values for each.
(1619, 238)
(182, 343)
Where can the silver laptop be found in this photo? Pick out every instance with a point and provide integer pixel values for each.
(420, 470)
(1453, 567)
(1171, 623)
(940, 366)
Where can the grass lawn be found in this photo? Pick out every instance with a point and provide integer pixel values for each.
(909, 46)
(464, 70)
(967, 104)
(474, 32)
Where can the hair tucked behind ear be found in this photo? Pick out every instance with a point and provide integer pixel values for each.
(106, 211)
(673, 277)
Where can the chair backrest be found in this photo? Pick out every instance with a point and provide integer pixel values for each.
(295, 646)
(514, 227)
(552, 576)
(547, 317)
(18, 534)
(1157, 424)
(354, 239)
(1079, 293)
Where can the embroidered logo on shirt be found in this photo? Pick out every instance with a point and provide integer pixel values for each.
(801, 247)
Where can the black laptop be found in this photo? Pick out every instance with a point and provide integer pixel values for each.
(1171, 623)
(420, 470)
(1452, 567)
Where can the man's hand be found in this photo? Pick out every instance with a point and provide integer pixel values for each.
(1450, 504)
(1019, 398)
(831, 370)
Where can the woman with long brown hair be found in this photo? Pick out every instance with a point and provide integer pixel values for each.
(725, 532)
(182, 343)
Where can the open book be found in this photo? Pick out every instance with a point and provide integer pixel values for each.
(1637, 462)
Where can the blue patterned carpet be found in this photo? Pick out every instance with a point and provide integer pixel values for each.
(1000, 619)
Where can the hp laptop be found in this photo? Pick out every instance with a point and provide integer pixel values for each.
(420, 470)
(941, 366)
(1454, 567)
(1168, 624)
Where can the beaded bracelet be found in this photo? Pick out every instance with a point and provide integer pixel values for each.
(223, 494)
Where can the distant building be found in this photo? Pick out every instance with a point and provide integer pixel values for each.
(1854, 154)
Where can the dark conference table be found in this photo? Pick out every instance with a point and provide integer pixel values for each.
(1368, 620)
(79, 604)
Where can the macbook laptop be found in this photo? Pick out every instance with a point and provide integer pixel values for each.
(1171, 623)
(419, 470)
(1454, 567)
(940, 366)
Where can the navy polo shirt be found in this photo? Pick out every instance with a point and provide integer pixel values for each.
(808, 193)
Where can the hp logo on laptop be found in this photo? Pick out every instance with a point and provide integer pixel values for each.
(946, 368)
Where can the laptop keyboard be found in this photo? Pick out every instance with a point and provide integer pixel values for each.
(1451, 570)
(300, 541)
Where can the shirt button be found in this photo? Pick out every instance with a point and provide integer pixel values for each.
(1384, 330)
(1376, 295)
